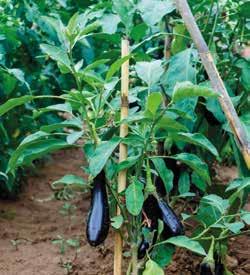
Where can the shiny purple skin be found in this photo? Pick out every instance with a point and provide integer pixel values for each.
(142, 249)
(172, 224)
(98, 219)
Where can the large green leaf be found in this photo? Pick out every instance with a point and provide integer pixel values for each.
(170, 124)
(65, 107)
(166, 175)
(129, 162)
(211, 209)
(102, 153)
(186, 89)
(71, 123)
(154, 101)
(197, 139)
(56, 54)
(162, 254)
(184, 241)
(180, 69)
(14, 102)
(109, 23)
(116, 66)
(150, 72)
(125, 10)
(152, 11)
(134, 197)
(26, 153)
(195, 163)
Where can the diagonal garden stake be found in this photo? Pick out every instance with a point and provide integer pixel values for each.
(122, 176)
(216, 81)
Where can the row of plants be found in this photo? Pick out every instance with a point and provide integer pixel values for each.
(173, 117)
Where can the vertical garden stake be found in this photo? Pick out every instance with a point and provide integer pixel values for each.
(122, 176)
(216, 81)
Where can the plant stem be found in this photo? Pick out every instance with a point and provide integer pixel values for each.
(214, 25)
(134, 259)
(233, 235)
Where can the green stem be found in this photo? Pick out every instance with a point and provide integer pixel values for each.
(79, 87)
(134, 249)
(214, 25)
(209, 227)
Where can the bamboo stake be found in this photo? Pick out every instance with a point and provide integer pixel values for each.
(122, 176)
(216, 81)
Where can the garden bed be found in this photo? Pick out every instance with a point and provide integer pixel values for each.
(29, 225)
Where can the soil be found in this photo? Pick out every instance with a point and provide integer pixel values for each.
(30, 224)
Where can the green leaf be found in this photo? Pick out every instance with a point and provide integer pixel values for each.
(150, 72)
(71, 123)
(95, 64)
(216, 201)
(198, 182)
(109, 23)
(245, 9)
(14, 102)
(238, 183)
(152, 11)
(102, 153)
(152, 268)
(180, 69)
(246, 217)
(184, 183)
(195, 163)
(117, 221)
(134, 198)
(129, 162)
(65, 107)
(186, 89)
(74, 136)
(235, 227)
(125, 10)
(154, 101)
(19, 75)
(162, 254)
(211, 209)
(70, 180)
(197, 139)
(56, 54)
(138, 32)
(214, 107)
(116, 66)
(166, 175)
(242, 184)
(170, 125)
(34, 149)
(184, 241)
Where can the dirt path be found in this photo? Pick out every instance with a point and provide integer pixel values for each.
(34, 221)
(28, 226)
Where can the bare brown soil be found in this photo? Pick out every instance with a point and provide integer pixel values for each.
(28, 226)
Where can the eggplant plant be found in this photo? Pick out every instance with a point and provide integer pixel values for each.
(168, 147)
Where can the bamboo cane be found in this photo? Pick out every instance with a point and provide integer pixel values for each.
(122, 176)
(216, 81)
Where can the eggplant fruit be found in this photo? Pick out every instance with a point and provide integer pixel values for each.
(172, 224)
(142, 249)
(206, 269)
(219, 266)
(98, 218)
